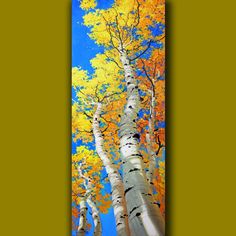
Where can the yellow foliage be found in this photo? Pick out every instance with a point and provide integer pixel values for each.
(88, 4)
(79, 77)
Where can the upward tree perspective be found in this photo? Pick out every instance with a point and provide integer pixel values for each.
(118, 113)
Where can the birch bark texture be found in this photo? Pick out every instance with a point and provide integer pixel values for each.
(149, 138)
(117, 193)
(144, 215)
(83, 207)
(82, 220)
(96, 217)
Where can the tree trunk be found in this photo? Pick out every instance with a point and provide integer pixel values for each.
(144, 215)
(82, 220)
(118, 199)
(149, 139)
(96, 217)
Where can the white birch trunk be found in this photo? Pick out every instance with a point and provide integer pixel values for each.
(96, 217)
(149, 139)
(118, 199)
(82, 220)
(144, 215)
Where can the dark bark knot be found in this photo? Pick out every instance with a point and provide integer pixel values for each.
(137, 154)
(157, 203)
(133, 210)
(137, 136)
(128, 189)
(135, 169)
(129, 144)
(147, 194)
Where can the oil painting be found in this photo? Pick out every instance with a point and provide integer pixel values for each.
(118, 117)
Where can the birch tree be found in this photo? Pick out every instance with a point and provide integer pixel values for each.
(94, 101)
(152, 82)
(87, 190)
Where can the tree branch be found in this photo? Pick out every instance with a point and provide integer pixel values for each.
(88, 115)
(113, 60)
(108, 27)
(150, 80)
(85, 131)
(148, 46)
(102, 131)
(138, 14)
(110, 95)
(96, 94)
(118, 30)
(160, 145)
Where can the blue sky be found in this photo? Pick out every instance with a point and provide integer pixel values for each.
(83, 50)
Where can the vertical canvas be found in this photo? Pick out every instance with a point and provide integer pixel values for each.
(118, 117)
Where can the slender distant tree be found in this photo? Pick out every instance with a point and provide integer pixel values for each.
(92, 115)
(151, 80)
(87, 189)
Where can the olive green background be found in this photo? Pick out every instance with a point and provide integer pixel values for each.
(35, 117)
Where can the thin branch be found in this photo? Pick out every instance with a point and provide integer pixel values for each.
(113, 60)
(160, 145)
(154, 70)
(148, 46)
(88, 115)
(161, 37)
(108, 27)
(82, 92)
(87, 96)
(107, 121)
(118, 30)
(138, 14)
(96, 94)
(134, 24)
(150, 80)
(110, 95)
(102, 131)
(85, 131)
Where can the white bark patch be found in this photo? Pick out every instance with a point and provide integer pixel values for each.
(82, 220)
(150, 140)
(144, 216)
(96, 217)
(118, 199)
